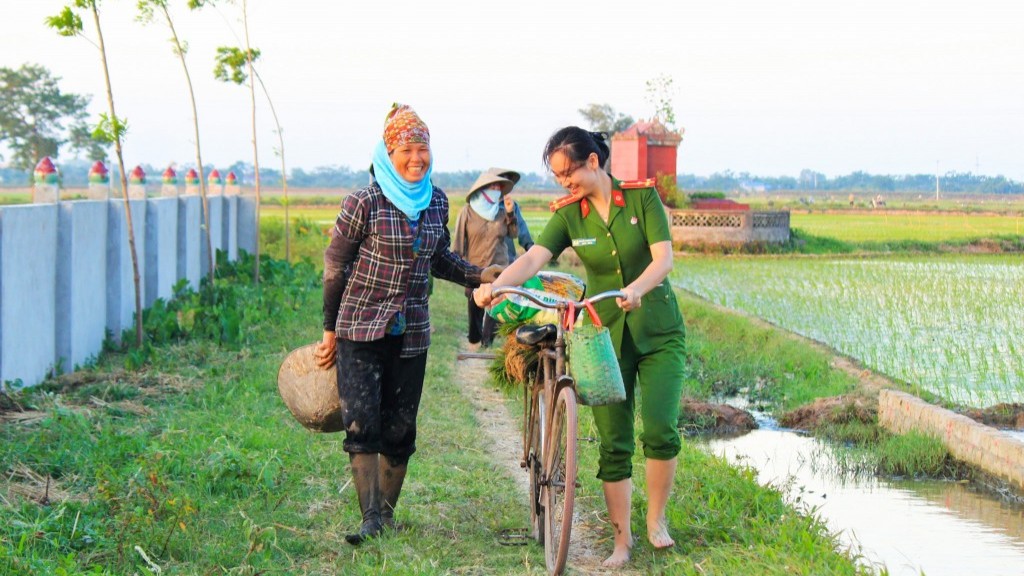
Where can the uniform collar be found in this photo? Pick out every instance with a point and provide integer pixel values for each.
(618, 201)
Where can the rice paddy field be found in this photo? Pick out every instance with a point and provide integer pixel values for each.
(908, 226)
(951, 325)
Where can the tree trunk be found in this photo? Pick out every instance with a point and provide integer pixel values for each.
(255, 151)
(284, 170)
(114, 123)
(199, 154)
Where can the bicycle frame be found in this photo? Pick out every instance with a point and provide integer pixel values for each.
(545, 450)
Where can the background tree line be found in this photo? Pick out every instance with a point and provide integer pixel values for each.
(74, 175)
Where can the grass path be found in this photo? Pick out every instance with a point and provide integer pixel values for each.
(193, 465)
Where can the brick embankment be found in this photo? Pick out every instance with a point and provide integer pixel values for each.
(993, 451)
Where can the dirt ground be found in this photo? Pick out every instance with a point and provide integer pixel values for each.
(591, 541)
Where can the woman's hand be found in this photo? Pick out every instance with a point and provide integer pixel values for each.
(482, 295)
(631, 301)
(325, 351)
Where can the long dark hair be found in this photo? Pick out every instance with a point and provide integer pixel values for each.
(578, 144)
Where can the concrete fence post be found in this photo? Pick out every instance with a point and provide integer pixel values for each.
(120, 284)
(28, 281)
(99, 182)
(216, 204)
(214, 184)
(137, 184)
(81, 312)
(231, 186)
(169, 183)
(161, 249)
(190, 236)
(46, 185)
(191, 182)
(247, 232)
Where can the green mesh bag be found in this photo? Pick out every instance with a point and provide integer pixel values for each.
(592, 361)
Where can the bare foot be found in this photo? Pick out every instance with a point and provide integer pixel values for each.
(658, 536)
(618, 558)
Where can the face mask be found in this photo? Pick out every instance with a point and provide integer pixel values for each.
(486, 203)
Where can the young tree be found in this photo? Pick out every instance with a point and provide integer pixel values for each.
(110, 128)
(660, 95)
(33, 114)
(603, 118)
(229, 68)
(284, 168)
(147, 11)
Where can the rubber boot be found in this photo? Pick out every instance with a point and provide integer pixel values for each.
(391, 479)
(366, 479)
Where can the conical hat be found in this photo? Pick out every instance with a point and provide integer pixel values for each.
(505, 173)
(486, 179)
(310, 392)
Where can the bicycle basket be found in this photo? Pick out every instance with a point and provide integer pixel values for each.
(592, 361)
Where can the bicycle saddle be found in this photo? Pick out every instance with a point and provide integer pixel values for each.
(533, 334)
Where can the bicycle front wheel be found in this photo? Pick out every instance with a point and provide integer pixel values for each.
(560, 469)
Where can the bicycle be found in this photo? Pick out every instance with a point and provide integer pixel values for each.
(550, 427)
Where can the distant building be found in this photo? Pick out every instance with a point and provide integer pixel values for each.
(645, 150)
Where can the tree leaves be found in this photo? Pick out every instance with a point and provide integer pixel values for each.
(232, 62)
(33, 113)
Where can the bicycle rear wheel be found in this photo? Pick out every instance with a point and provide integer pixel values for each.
(560, 470)
(534, 467)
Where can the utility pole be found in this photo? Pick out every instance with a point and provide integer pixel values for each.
(936, 180)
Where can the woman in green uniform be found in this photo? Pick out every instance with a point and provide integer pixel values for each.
(621, 233)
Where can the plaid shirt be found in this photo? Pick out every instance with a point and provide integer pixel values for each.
(371, 273)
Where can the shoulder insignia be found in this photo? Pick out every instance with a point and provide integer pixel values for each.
(634, 184)
(564, 201)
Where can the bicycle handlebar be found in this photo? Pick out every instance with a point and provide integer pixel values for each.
(532, 297)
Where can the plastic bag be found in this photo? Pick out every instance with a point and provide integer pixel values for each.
(551, 287)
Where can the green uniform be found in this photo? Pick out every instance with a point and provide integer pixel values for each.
(649, 340)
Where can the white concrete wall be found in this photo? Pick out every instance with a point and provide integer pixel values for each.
(66, 273)
(190, 235)
(231, 227)
(81, 281)
(216, 204)
(161, 238)
(28, 283)
(121, 274)
(990, 449)
(247, 236)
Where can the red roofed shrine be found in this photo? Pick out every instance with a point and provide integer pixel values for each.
(645, 150)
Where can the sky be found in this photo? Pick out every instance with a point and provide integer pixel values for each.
(769, 87)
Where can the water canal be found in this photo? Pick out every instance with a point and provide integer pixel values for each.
(909, 526)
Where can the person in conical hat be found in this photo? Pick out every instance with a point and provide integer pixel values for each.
(522, 231)
(386, 239)
(481, 230)
(621, 234)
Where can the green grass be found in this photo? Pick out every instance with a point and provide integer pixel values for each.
(728, 355)
(195, 461)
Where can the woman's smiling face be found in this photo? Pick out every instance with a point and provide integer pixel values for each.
(575, 177)
(411, 161)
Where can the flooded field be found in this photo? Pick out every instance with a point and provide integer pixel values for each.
(950, 324)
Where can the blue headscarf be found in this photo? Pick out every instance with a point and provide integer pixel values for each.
(409, 197)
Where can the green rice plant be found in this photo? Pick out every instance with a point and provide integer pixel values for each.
(946, 325)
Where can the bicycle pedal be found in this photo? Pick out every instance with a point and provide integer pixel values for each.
(513, 537)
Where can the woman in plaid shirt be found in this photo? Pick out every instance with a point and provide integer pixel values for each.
(386, 240)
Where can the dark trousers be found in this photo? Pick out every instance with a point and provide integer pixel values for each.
(380, 397)
(481, 325)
